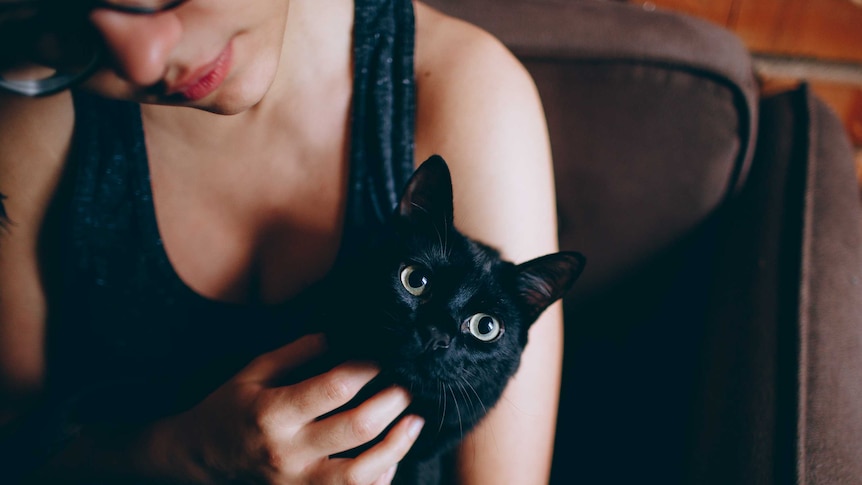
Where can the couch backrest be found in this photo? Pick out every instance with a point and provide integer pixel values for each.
(651, 120)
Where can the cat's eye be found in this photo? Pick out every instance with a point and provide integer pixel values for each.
(484, 327)
(415, 280)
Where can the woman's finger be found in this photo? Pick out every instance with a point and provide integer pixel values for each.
(376, 464)
(307, 400)
(347, 430)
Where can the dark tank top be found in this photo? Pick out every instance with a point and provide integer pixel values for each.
(126, 323)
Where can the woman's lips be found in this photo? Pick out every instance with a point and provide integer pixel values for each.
(206, 79)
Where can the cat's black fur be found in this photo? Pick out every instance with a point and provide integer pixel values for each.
(423, 341)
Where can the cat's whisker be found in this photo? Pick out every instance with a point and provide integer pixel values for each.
(443, 398)
(507, 352)
(484, 409)
(395, 330)
(391, 316)
(467, 399)
(440, 240)
(414, 204)
(458, 410)
(446, 248)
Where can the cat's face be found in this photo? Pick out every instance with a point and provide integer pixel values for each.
(457, 324)
(447, 318)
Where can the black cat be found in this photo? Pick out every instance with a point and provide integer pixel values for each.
(443, 315)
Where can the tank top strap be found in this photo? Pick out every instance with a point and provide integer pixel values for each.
(112, 250)
(383, 116)
(110, 175)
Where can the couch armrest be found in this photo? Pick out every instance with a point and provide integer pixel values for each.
(829, 396)
(783, 385)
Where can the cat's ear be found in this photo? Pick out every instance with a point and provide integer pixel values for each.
(546, 279)
(428, 194)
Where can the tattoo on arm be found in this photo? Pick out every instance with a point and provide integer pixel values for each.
(4, 219)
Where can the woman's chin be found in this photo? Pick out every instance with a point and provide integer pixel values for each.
(230, 99)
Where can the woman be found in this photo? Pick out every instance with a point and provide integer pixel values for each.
(152, 237)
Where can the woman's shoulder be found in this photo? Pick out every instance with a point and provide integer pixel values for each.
(479, 108)
(468, 82)
(454, 53)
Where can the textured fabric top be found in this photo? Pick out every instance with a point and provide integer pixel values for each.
(125, 316)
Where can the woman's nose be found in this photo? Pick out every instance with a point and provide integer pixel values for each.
(140, 45)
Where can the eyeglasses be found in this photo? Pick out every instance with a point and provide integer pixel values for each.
(47, 46)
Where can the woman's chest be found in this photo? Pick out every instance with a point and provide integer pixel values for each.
(252, 224)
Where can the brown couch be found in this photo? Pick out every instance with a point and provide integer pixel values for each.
(716, 335)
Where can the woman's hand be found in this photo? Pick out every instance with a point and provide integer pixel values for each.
(252, 430)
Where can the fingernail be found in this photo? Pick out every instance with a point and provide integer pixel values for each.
(415, 427)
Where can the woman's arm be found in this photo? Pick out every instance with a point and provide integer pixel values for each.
(479, 109)
(34, 139)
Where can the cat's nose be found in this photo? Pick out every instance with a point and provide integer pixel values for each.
(441, 342)
(437, 340)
